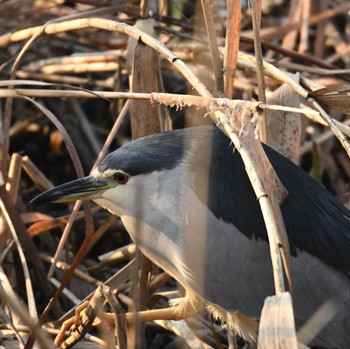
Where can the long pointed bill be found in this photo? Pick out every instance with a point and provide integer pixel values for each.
(80, 189)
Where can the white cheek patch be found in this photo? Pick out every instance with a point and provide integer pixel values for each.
(123, 199)
(113, 200)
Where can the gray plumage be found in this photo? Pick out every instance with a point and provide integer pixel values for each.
(192, 211)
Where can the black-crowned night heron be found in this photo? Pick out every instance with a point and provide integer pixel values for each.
(186, 201)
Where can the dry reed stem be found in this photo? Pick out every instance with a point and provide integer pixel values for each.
(231, 44)
(277, 328)
(76, 162)
(64, 237)
(83, 319)
(123, 253)
(172, 100)
(278, 32)
(249, 62)
(207, 7)
(15, 305)
(65, 266)
(117, 281)
(11, 320)
(28, 283)
(37, 177)
(77, 205)
(256, 19)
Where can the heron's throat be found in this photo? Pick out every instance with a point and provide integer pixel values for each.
(155, 245)
(109, 206)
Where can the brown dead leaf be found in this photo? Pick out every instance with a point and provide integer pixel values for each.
(284, 128)
(145, 118)
(44, 222)
(335, 97)
(30, 217)
(39, 227)
(56, 142)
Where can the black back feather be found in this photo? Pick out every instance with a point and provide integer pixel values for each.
(315, 220)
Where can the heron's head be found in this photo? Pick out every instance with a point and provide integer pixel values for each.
(107, 189)
(126, 177)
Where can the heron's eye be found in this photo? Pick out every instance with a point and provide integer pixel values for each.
(121, 177)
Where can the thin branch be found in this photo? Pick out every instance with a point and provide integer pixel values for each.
(256, 18)
(213, 44)
(232, 44)
(171, 100)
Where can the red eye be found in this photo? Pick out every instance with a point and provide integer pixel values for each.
(121, 177)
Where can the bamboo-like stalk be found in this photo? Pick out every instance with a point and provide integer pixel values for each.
(256, 19)
(213, 44)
